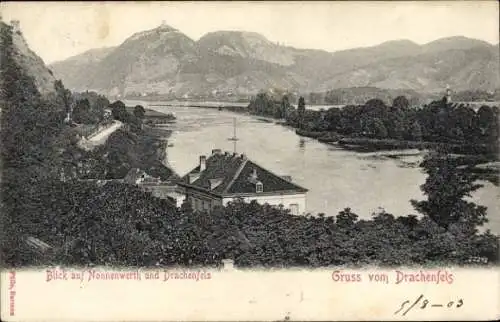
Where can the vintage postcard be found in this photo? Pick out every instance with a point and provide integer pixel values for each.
(249, 161)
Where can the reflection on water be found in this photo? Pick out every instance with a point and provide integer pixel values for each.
(302, 144)
(336, 178)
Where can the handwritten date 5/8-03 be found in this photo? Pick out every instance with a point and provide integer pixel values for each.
(422, 303)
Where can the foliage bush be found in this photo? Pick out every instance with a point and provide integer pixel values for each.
(117, 224)
(89, 107)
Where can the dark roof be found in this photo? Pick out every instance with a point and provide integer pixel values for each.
(235, 170)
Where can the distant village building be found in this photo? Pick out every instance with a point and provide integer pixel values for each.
(224, 177)
(157, 187)
(448, 94)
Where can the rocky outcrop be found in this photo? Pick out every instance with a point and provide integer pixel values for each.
(28, 60)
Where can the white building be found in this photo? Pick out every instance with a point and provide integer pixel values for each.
(224, 177)
(157, 187)
(448, 94)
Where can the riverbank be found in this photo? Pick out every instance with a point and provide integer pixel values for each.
(126, 150)
(153, 117)
(140, 143)
(480, 159)
(154, 128)
(364, 144)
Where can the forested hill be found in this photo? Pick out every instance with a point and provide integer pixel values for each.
(36, 201)
(164, 61)
(31, 122)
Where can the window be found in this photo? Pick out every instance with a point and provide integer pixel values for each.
(259, 187)
(294, 208)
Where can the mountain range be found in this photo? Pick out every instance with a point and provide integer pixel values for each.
(164, 61)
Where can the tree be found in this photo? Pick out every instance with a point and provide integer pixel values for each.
(487, 123)
(401, 102)
(463, 119)
(446, 187)
(285, 107)
(301, 109)
(82, 112)
(416, 131)
(380, 129)
(376, 104)
(332, 117)
(63, 95)
(396, 124)
(376, 128)
(119, 111)
(139, 112)
(346, 218)
(97, 103)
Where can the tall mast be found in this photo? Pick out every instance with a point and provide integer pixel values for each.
(234, 138)
(234, 127)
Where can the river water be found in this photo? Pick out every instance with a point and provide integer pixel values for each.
(336, 178)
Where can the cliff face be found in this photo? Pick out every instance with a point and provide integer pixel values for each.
(28, 60)
(230, 63)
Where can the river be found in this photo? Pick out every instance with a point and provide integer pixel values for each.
(336, 178)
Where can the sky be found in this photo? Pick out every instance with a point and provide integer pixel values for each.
(56, 31)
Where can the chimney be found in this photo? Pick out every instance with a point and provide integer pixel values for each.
(203, 163)
(243, 156)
